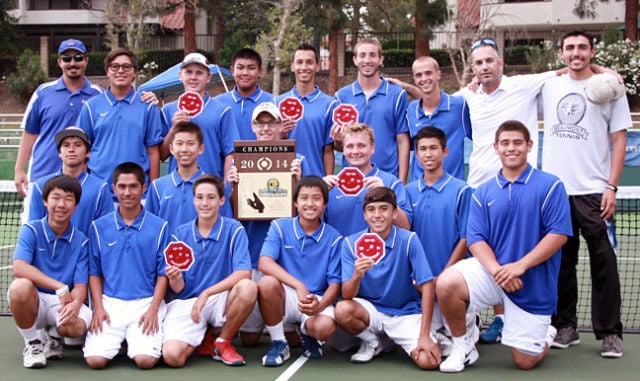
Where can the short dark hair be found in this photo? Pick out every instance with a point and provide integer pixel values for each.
(64, 182)
(127, 168)
(120, 52)
(513, 125)
(431, 132)
(380, 194)
(247, 53)
(210, 179)
(576, 32)
(312, 182)
(189, 127)
(306, 46)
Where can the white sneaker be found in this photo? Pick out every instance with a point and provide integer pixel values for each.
(551, 335)
(367, 351)
(459, 358)
(53, 349)
(444, 342)
(33, 355)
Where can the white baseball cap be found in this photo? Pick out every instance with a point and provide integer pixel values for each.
(196, 58)
(269, 108)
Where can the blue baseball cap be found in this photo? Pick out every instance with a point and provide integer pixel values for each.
(72, 44)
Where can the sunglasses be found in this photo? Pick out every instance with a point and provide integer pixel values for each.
(484, 41)
(77, 58)
(116, 67)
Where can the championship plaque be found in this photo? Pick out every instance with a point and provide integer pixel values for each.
(265, 187)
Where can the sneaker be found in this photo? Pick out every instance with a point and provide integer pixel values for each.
(277, 354)
(53, 349)
(444, 342)
(311, 348)
(459, 358)
(611, 347)
(566, 336)
(225, 351)
(367, 351)
(494, 333)
(551, 335)
(206, 346)
(33, 355)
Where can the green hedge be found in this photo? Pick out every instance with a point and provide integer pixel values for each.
(517, 55)
(405, 57)
(393, 44)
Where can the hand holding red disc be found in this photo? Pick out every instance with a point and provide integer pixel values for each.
(345, 114)
(291, 108)
(370, 245)
(180, 255)
(351, 181)
(191, 103)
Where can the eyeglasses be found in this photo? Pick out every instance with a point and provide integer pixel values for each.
(272, 124)
(484, 41)
(77, 58)
(116, 67)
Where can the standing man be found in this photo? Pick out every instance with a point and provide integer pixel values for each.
(313, 131)
(435, 108)
(121, 127)
(53, 106)
(219, 129)
(513, 264)
(51, 266)
(74, 150)
(381, 105)
(585, 145)
(246, 66)
(127, 276)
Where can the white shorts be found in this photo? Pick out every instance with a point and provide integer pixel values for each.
(404, 330)
(292, 315)
(522, 330)
(124, 316)
(48, 315)
(178, 324)
(254, 322)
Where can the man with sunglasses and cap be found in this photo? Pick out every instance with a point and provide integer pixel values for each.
(53, 106)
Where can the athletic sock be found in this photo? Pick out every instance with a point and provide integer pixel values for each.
(276, 332)
(367, 335)
(30, 334)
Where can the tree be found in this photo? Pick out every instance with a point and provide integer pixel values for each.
(243, 22)
(588, 9)
(278, 42)
(8, 31)
(428, 16)
(190, 45)
(127, 17)
(388, 15)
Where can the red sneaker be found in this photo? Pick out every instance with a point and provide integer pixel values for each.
(225, 351)
(206, 347)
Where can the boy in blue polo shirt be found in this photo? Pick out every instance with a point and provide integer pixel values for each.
(74, 150)
(171, 196)
(216, 120)
(312, 132)
(512, 265)
(395, 295)
(121, 127)
(380, 104)
(217, 289)
(51, 266)
(359, 148)
(246, 95)
(300, 260)
(127, 277)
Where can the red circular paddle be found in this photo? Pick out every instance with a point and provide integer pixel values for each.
(180, 255)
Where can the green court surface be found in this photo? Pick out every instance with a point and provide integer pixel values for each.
(581, 362)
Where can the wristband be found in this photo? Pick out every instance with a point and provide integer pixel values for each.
(62, 290)
(612, 187)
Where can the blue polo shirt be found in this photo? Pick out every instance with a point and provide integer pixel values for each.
(64, 258)
(452, 117)
(512, 218)
(52, 107)
(95, 201)
(243, 108)
(119, 131)
(440, 215)
(312, 132)
(171, 198)
(129, 258)
(219, 131)
(345, 212)
(388, 285)
(314, 259)
(215, 257)
(384, 111)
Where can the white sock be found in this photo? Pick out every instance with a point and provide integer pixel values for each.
(501, 316)
(367, 335)
(30, 334)
(461, 341)
(276, 332)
